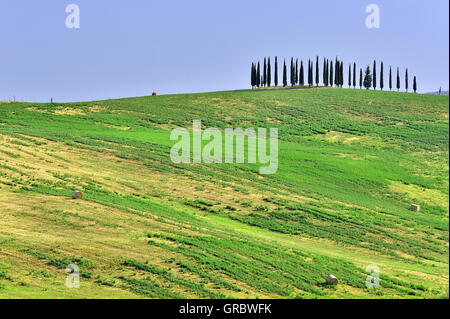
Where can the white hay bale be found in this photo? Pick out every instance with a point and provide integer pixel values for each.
(77, 195)
(415, 208)
(332, 280)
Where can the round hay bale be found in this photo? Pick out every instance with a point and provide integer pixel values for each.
(415, 208)
(332, 280)
(77, 195)
(155, 93)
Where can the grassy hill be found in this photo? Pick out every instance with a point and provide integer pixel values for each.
(351, 162)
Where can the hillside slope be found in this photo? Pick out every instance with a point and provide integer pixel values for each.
(351, 162)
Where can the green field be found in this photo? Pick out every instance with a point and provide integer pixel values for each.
(351, 162)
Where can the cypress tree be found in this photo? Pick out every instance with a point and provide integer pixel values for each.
(331, 74)
(324, 72)
(292, 72)
(264, 81)
(360, 78)
(284, 74)
(406, 80)
(374, 75)
(302, 74)
(258, 76)
(354, 75)
(253, 75)
(382, 76)
(349, 75)
(309, 72)
(415, 84)
(269, 73)
(390, 78)
(398, 79)
(336, 72)
(341, 74)
(276, 71)
(317, 70)
(296, 71)
(367, 78)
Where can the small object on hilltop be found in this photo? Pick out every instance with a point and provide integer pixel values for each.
(332, 280)
(77, 195)
(415, 208)
(155, 93)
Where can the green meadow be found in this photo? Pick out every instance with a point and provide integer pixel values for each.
(351, 163)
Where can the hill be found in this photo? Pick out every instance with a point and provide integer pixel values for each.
(351, 162)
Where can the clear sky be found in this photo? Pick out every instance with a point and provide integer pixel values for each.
(134, 47)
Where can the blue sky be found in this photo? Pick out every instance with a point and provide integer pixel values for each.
(135, 47)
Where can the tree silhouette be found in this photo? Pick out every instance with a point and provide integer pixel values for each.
(276, 71)
(284, 74)
(317, 70)
(253, 75)
(354, 75)
(349, 75)
(264, 81)
(258, 76)
(414, 84)
(374, 75)
(406, 80)
(302, 74)
(398, 79)
(360, 78)
(382, 76)
(331, 74)
(390, 78)
(367, 78)
(269, 73)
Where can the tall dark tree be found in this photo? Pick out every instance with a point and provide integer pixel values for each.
(398, 79)
(317, 70)
(374, 75)
(296, 71)
(341, 74)
(382, 76)
(367, 78)
(269, 73)
(253, 75)
(360, 78)
(415, 84)
(276, 71)
(284, 74)
(309, 72)
(324, 72)
(258, 76)
(264, 81)
(336, 72)
(349, 75)
(354, 75)
(292, 72)
(406, 80)
(390, 78)
(302, 74)
(331, 74)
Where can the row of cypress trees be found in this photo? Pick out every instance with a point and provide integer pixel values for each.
(332, 75)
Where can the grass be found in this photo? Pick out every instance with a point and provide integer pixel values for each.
(350, 164)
